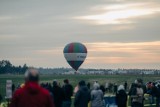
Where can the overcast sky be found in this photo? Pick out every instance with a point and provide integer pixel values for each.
(117, 33)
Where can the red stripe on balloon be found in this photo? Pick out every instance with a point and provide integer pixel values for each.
(71, 48)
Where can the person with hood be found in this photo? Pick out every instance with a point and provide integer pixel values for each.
(57, 94)
(121, 97)
(82, 96)
(97, 96)
(32, 94)
(68, 92)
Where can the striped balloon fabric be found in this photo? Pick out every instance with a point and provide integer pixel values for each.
(75, 54)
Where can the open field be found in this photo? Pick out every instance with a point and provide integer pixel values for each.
(74, 79)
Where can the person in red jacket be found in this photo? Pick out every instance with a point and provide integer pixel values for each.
(32, 94)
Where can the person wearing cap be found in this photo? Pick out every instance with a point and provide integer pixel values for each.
(32, 94)
(82, 96)
(68, 92)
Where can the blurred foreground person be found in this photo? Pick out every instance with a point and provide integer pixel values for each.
(97, 96)
(82, 96)
(31, 95)
(121, 97)
(68, 92)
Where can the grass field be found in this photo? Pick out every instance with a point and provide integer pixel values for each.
(74, 79)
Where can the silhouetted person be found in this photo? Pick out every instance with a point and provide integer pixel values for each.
(158, 96)
(115, 88)
(125, 85)
(137, 94)
(82, 97)
(13, 88)
(0, 99)
(68, 92)
(132, 88)
(57, 94)
(89, 85)
(121, 97)
(32, 94)
(102, 88)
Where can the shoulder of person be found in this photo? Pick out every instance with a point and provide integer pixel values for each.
(45, 91)
(93, 91)
(20, 90)
(100, 91)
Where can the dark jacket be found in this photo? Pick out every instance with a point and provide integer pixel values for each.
(121, 98)
(155, 91)
(68, 92)
(31, 95)
(57, 95)
(82, 97)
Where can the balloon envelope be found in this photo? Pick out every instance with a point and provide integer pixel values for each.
(75, 54)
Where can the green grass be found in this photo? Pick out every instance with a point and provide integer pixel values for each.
(74, 79)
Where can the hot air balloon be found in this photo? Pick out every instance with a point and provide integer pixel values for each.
(75, 54)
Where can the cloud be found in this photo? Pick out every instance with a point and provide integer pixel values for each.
(120, 13)
(140, 52)
(35, 32)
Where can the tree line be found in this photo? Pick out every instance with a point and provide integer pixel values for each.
(7, 68)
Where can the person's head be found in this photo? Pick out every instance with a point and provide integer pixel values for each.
(31, 75)
(153, 84)
(55, 83)
(66, 81)
(121, 87)
(81, 83)
(96, 86)
(138, 82)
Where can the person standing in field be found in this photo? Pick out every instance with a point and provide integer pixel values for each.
(97, 96)
(121, 97)
(125, 85)
(82, 96)
(107, 87)
(68, 92)
(131, 89)
(115, 88)
(137, 94)
(57, 94)
(13, 88)
(0, 98)
(32, 94)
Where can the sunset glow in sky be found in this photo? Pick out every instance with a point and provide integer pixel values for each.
(117, 33)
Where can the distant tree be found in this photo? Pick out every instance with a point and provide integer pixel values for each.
(7, 67)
